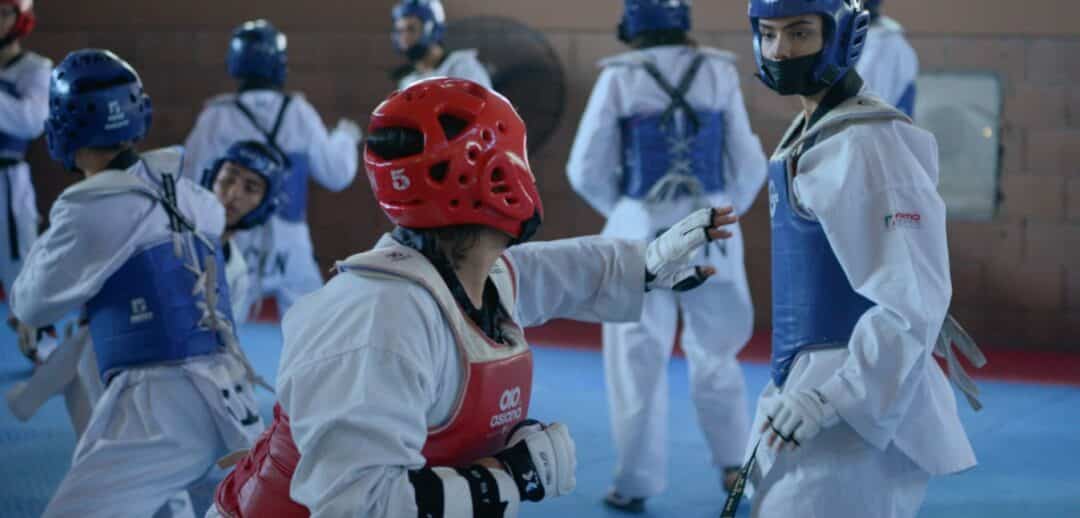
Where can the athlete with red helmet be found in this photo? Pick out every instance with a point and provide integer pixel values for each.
(404, 382)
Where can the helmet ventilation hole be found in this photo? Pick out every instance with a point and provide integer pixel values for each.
(438, 171)
(452, 126)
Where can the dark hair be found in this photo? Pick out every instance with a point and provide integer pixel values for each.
(455, 241)
(657, 38)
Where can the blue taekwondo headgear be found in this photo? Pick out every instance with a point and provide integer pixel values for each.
(95, 100)
(432, 17)
(263, 161)
(653, 15)
(845, 26)
(257, 50)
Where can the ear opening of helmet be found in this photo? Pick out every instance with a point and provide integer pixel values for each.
(394, 142)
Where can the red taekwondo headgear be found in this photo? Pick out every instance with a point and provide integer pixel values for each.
(24, 23)
(446, 152)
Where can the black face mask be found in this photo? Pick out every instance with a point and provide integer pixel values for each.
(416, 52)
(793, 76)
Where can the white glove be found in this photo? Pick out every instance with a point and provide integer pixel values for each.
(666, 259)
(350, 128)
(798, 417)
(541, 459)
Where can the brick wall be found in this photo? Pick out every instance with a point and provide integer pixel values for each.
(1014, 279)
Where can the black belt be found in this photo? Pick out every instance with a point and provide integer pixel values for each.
(13, 231)
(731, 505)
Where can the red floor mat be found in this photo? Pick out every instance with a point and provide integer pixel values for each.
(1002, 363)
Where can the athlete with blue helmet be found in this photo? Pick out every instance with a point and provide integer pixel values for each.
(136, 246)
(280, 252)
(666, 132)
(248, 181)
(419, 26)
(857, 416)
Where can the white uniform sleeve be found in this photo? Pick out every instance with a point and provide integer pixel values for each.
(24, 117)
(907, 64)
(594, 167)
(334, 155)
(358, 417)
(472, 70)
(589, 278)
(744, 155)
(889, 65)
(199, 146)
(358, 410)
(238, 277)
(71, 261)
(877, 201)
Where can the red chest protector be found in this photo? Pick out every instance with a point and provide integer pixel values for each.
(492, 398)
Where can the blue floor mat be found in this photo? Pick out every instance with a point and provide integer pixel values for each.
(1026, 441)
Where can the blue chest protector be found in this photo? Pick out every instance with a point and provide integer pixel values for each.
(663, 160)
(294, 207)
(11, 147)
(814, 305)
(148, 310)
(906, 103)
